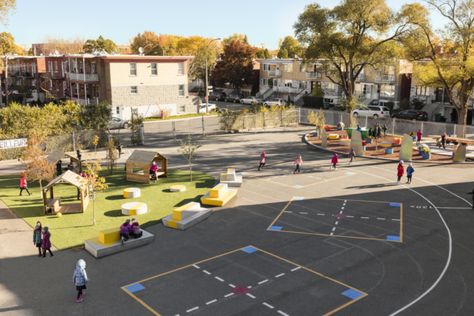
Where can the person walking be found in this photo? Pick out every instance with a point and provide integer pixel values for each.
(263, 160)
(443, 140)
(37, 237)
(418, 135)
(410, 171)
(46, 242)
(352, 155)
(384, 129)
(400, 171)
(298, 162)
(378, 131)
(334, 160)
(59, 168)
(23, 184)
(79, 279)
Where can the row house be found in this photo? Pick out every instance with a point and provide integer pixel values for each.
(148, 84)
(294, 78)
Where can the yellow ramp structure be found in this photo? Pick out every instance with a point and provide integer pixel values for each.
(219, 195)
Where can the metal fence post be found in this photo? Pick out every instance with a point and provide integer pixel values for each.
(422, 126)
(174, 128)
(454, 131)
(394, 121)
(203, 127)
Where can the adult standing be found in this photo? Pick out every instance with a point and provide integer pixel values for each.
(400, 171)
(79, 279)
(298, 162)
(46, 242)
(37, 237)
(263, 160)
(23, 184)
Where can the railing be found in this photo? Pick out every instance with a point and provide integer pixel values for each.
(82, 77)
(274, 73)
(385, 78)
(88, 101)
(313, 75)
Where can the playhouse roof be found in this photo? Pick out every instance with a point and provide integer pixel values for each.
(142, 156)
(67, 177)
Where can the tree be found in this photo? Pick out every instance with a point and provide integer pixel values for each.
(149, 42)
(112, 154)
(136, 126)
(235, 65)
(351, 37)
(100, 44)
(61, 45)
(5, 7)
(94, 182)
(188, 148)
(263, 53)
(446, 62)
(38, 167)
(317, 119)
(209, 50)
(96, 117)
(236, 37)
(289, 48)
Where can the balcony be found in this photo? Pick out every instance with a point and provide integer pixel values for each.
(385, 78)
(56, 75)
(274, 73)
(83, 77)
(88, 101)
(313, 75)
(283, 89)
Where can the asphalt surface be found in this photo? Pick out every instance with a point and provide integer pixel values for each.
(355, 271)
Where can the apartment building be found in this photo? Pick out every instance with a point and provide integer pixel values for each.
(293, 78)
(147, 84)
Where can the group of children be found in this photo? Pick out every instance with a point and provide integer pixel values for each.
(401, 171)
(130, 229)
(42, 239)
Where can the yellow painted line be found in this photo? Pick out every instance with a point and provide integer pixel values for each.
(401, 222)
(345, 305)
(281, 212)
(327, 235)
(148, 307)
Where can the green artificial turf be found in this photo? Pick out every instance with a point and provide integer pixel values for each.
(71, 230)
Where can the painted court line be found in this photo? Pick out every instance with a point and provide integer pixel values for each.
(192, 309)
(231, 285)
(395, 219)
(268, 305)
(206, 272)
(295, 269)
(196, 266)
(220, 279)
(279, 275)
(230, 294)
(263, 281)
(210, 302)
(381, 218)
(282, 313)
(251, 296)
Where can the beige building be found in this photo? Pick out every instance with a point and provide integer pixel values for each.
(294, 78)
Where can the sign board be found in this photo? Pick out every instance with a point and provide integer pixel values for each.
(13, 143)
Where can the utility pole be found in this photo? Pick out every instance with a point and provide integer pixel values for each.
(6, 80)
(207, 73)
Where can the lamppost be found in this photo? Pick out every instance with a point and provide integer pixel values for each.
(207, 73)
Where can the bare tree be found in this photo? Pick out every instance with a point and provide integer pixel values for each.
(188, 148)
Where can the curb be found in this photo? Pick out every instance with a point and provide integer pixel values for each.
(305, 140)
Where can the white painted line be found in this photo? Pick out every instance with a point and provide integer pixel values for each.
(334, 228)
(349, 216)
(251, 296)
(287, 212)
(279, 275)
(263, 281)
(336, 223)
(282, 313)
(454, 208)
(331, 234)
(320, 214)
(196, 266)
(210, 302)
(220, 279)
(231, 285)
(268, 305)
(249, 287)
(364, 217)
(381, 218)
(395, 219)
(298, 198)
(304, 213)
(342, 208)
(230, 294)
(295, 269)
(206, 272)
(192, 309)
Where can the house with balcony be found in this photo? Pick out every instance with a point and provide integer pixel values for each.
(150, 85)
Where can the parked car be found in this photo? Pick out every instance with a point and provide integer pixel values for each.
(250, 100)
(117, 123)
(210, 107)
(386, 103)
(411, 115)
(277, 102)
(233, 98)
(217, 96)
(371, 111)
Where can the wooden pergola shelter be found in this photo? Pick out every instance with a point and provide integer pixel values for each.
(53, 204)
(139, 162)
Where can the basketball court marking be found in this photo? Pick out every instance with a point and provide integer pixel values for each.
(212, 272)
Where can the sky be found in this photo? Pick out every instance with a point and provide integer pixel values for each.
(265, 22)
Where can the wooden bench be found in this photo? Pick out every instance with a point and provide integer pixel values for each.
(219, 195)
(186, 216)
(108, 242)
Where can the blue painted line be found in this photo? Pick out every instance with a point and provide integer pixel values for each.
(394, 204)
(352, 294)
(249, 249)
(135, 288)
(276, 228)
(393, 238)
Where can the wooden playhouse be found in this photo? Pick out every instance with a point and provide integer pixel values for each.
(139, 162)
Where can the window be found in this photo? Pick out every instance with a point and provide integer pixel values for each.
(181, 69)
(133, 89)
(181, 90)
(133, 69)
(93, 68)
(154, 69)
(117, 110)
(182, 108)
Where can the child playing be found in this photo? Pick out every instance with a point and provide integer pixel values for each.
(263, 160)
(79, 278)
(410, 171)
(298, 162)
(334, 160)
